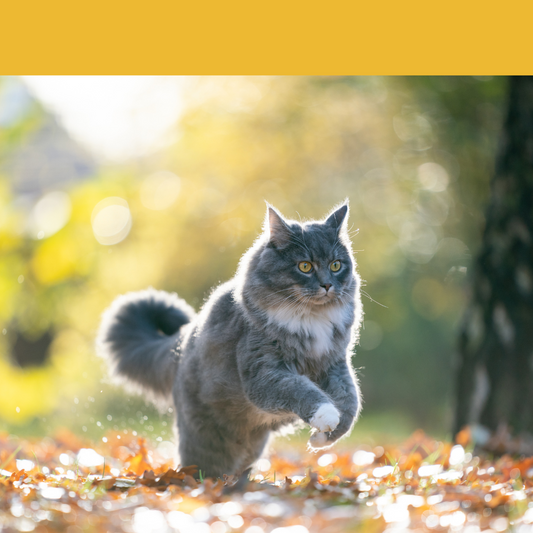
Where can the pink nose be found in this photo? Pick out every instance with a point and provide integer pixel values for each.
(327, 286)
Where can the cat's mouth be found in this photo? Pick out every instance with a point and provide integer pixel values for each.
(302, 298)
(324, 297)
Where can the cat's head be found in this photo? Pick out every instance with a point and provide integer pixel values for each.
(302, 266)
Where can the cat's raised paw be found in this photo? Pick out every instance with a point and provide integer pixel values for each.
(326, 418)
(318, 440)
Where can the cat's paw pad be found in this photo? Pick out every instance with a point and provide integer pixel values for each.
(318, 440)
(326, 418)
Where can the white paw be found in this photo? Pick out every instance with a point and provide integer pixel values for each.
(326, 418)
(318, 440)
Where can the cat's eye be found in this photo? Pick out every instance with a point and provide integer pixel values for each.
(335, 266)
(305, 266)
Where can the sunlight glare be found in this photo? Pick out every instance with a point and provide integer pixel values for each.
(291, 529)
(326, 459)
(382, 471)
(429, 470)
(362, 458)
(52, 493)
(25, 464)
(457, 455)
(263, 465)
(116, 117)
(149, 520)
(88, 457)
(395, 513)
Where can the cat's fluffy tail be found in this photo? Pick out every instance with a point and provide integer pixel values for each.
(139, 335)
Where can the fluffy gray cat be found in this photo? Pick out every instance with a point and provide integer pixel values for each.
(270, 347)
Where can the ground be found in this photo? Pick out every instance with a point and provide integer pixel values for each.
(128, 485)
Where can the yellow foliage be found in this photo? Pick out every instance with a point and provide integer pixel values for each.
(26, 393)
(32, 392)
(57, 259)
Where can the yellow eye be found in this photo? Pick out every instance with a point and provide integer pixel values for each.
(335, 266)
(305, 266)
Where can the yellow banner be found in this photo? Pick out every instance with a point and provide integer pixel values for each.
(259, 37)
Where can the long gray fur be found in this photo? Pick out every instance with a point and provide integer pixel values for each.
(270, 347)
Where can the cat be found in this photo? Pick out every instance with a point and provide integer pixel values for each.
(269, 348)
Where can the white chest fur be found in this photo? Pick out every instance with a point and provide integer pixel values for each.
(316, 325)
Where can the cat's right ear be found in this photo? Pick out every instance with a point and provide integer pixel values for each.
(279, 232)
(338, 218)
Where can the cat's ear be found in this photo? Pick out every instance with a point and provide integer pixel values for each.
(279, 232)
(338, 219)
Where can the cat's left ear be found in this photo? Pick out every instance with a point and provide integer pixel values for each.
(338, 219)
(280, 233)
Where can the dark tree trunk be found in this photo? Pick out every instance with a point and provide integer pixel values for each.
(494, 381)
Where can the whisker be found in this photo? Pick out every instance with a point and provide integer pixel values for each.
(286, 301)
(283, 290)
(292, 307)
(353, 231)
(364, 293)
(303, 305)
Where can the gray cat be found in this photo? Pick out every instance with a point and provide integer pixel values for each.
(269, 347)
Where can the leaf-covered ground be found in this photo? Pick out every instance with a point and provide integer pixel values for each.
(123, 485)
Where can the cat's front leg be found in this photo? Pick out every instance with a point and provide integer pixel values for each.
(274, 388)
(341, 386)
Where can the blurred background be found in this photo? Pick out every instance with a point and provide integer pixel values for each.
(109, 185)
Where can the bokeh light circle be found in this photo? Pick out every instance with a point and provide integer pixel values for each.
(50, 214)
(111, 220)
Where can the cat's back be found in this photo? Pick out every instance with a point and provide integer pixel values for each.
(219, 325)
(208, 367)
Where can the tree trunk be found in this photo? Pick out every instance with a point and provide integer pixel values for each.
(494, 381)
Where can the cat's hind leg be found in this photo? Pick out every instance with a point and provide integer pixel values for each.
(217, 450)
(208, 450)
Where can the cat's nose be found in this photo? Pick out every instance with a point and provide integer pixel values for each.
(327, 286)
